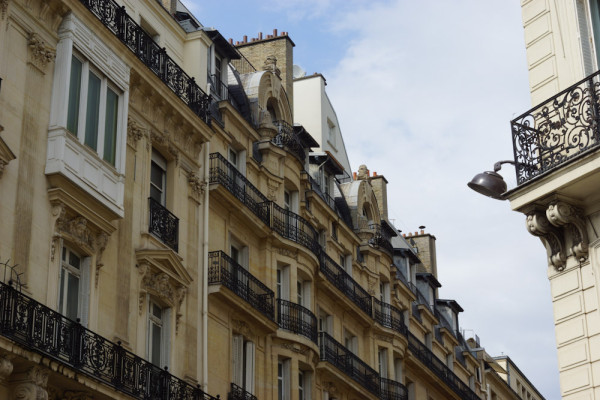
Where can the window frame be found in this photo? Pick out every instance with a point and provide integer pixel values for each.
(165, 332)
(83, 286)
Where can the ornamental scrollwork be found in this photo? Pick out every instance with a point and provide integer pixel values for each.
(33, 387)
(538, 225)
(41, 53)
(562, 214)
(197, 185)
(160, 285)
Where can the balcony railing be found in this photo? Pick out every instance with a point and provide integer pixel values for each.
(344, 282)
(388, 316)
(163, 224)
(238, 393)
(347, 362)
(381, 238)
(558, 130)
(392, 390)
(124, 27)
(295, 318)
(40, 329)
(218, 88)
(440, 369)
(225, 271)
(286, 223)
(316, 187)
(287, 138)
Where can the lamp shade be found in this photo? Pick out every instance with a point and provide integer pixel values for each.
(489, 183)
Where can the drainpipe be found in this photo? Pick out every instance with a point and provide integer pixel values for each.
(205, 272)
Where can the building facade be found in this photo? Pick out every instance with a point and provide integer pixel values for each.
(169, 234)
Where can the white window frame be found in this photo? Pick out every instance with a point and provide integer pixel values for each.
(158, 160)
(382, 358)
(243, 360)
(83, 275)
(304, 385)
(325, 322)
(283, 282)
(165, 332)
(283, 379)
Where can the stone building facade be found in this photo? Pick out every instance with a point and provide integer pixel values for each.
(168, 233)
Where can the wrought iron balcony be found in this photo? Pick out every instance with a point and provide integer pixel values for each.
(218, 88)
(559, 130)
(287, 138)
(238, 393)
(381, 238)
(224, 173)
(392, 390)
(347, 362)
(124, 27)
(344, 282)
(316, 187)
(295, 318)
(388, 316)
(163, 224)
(286, 223)
(223, 270)
(440, 369)
(40, 329)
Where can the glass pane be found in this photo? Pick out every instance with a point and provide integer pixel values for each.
(61, 301)
(156, 175)
(110, 128)
(93, 109)
(74, 92)
(156, 311)
(64, 254)
(74, 260)
(72, 296)
(155, 345)
(155, 194)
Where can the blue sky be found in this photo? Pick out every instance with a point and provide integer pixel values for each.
(424, 92)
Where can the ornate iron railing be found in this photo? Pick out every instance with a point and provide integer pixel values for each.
(224, 173)
(40, 329)
(388, 316)
(315, 187)
(381, 238)
(295, 318)
(392, 390)
(218, 88)
(344, 282)
(238, 393)
(287, 138)
(286, 223)
(347, 362)
(124, 27)
(557, 131)
(223, 270)
(429, 359)
(163, 224)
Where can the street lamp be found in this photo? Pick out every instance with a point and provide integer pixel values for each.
(490, 183)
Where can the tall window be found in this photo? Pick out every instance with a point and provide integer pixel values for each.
(243, 363)
(70, 280)
(304, 385)
(283, 282)
(325, 322)
(351, 341)
(158, 334)
(382, 357)
(283, 379)
(158, 178)
(93, 109)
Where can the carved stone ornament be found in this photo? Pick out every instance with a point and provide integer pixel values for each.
(300, 349)
(266, 128)
(270, 64)
(197, 185)
(362, 172)
(77, 229)
(272, 187)
(288, 253)
(330, 387)
(100, 245)
(372, 285)
(134, 131)
(33, 387)
(386, 339)
(41, 53)
(539, 225)
(562, 214)
(242, 328)
(160, 285)
(6, 367)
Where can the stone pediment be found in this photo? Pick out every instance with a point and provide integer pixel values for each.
(164, 261)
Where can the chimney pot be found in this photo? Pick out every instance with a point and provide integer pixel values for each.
(274, 32)
(404, 235)
(422, 232)
(245, 38)
(259, 35)
(237, 42)
(417, 233)
(374, 173)
(230, 41)
(354, 175)
(368, 173)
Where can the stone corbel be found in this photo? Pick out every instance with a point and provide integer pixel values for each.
(562, 214)
(33, 386)
(197, 186)
(57, 214)
(134, 132)
(40, 53)
(539, 225)
(6, 367)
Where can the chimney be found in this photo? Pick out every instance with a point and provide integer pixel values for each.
(354, 175)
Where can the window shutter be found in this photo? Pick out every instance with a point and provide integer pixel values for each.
(84, 291)
(249, 367)
(238, 360)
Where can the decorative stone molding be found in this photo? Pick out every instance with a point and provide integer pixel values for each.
(539, 225)
(33, 386)
(270, 64)
(197, 185)
(6, 155)
(242, 328)
(272, 187)
(330, 387)
(41, 54)
(6, 367)
(134, 132)
(386, 339)
(3, 8)
(288, 253)
(562, 214)
(100, 245)
(372, 282)
(300, 349)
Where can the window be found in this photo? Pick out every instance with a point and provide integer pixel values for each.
(238, 252)
(450, 362)
(283, 379)
(588, 19)
(383, 360)
(283, 282)
(384, 292)
(334, 231)
(243, 363)
(158, 334)
(158, 178)
(326, 183)
(331, 132)
(323, 238)
(398, 369)
(304, 385)
(325, 322)
(74, 285)
(237, 158)
(351, 341)
(428, 340)
(93, 109)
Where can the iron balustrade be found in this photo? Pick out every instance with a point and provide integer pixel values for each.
(347, 362)
(238, 393)
(557, 131)
(163, 224)
(285, 222)
(344, 282)
(124, 27)
(38, 328)
(388, 316)
(392, 390)
(440, 369)
(224, 173)
(316, 187)
(296, 318)
(223, 270)
(288, 139)
(381, 238)
(218, 88)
